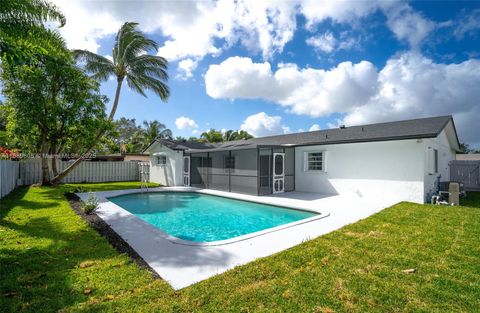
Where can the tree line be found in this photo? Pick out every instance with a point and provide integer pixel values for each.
(127, 136)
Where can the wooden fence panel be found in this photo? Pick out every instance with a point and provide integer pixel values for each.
(9, 171)
(467, 172)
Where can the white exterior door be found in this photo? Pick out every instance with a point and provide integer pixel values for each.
(278, 172)
(186, 171)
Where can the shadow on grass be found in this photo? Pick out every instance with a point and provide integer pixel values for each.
(42, 244)
(472, 200)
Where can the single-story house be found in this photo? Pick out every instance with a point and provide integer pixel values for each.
(401, 160)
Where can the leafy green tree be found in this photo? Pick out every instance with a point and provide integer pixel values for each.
(130, 63)
(465, 148)
(132, 137)
(52, 106)
(23, 35)
(126, 129)
(4, 139)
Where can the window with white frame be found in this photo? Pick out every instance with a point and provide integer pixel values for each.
(161, 159)
(315, 161)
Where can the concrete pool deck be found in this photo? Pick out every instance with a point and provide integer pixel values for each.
(182, 265)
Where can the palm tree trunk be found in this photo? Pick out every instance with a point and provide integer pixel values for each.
(117, 97)
(71, 167)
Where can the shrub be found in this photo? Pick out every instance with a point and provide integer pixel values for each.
(91, 204)
(80, 189)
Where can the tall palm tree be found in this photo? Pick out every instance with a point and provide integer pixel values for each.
(131, 63)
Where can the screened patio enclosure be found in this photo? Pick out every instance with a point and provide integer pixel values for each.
(256, 171)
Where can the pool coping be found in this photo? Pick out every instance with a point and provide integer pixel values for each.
(184, 265)
(223, 242)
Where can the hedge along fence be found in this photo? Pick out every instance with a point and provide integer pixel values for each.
(30, 172)
(8, 176)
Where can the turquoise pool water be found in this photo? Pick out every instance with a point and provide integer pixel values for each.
(204, 218)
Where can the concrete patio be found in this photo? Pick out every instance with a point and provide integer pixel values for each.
(182, 265)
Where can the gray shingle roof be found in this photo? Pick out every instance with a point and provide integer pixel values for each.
(408, 129)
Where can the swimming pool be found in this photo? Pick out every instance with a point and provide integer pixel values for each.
(199, 217)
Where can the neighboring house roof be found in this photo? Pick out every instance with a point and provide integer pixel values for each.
(408, 129)
(135, 154)
(180, 145)
(468, 157)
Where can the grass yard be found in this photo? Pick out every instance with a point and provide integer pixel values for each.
(51, 260)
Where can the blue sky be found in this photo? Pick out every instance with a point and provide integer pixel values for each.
(277, 67)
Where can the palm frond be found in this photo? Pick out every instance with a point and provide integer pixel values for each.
(153, 84)
(133, 83)
(100, 66)
(122, 40)
(149, 65)
(130, 43)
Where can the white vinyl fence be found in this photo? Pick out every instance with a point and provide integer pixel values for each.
(28, 172)
(8, 176)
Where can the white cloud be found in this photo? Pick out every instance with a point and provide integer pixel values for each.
(194, 30)
(84, 28)
(186, 68)
(326, 42)
(308, 91)
(239, 77)
(183, 122)
(263, 25)
(261, 124)
(408, 25)
(339, 11)
(410, 85)
(467, 23)
(315, 127)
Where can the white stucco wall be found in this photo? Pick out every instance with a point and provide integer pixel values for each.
(389, 171)
(169, 174)
(445, 155)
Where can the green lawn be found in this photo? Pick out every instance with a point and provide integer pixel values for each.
(49, 259)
